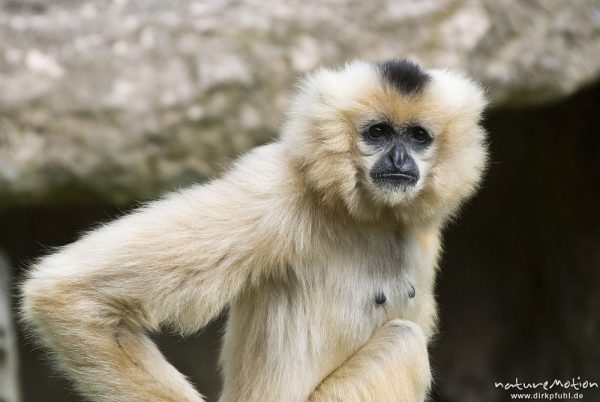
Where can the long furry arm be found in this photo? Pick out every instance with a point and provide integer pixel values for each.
(174, 263)
(392, 367)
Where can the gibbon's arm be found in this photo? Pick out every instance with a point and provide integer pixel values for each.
(393, 366)
(174, 263)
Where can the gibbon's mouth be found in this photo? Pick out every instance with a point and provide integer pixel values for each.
(404, 179)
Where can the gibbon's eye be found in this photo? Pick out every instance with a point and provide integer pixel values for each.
(379, 130)
(420, 135)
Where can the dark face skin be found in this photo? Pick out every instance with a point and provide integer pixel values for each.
(396, 167)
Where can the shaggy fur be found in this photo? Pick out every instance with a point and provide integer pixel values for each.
(295, 239)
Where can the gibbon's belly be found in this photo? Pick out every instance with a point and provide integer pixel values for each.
(297, 329)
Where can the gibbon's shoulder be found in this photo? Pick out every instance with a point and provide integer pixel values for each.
(261, 167)
(255, 180)
(262, 172)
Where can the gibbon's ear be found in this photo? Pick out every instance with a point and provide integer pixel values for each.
(457, 95)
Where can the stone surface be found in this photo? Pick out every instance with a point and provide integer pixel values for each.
(9, 383)
(118, 100)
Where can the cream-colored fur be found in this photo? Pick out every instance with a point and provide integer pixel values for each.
(296, 240)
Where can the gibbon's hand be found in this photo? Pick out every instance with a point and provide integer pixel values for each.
(393, 366)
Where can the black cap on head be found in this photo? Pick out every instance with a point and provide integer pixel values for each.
(405, 76)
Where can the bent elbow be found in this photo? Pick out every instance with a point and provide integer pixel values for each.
(48, 297)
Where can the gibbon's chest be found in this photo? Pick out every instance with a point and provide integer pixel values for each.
(308, 321)
(359, 286)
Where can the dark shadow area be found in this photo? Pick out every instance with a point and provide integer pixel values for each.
(518, 286)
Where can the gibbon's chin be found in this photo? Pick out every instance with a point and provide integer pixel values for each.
(395, 193)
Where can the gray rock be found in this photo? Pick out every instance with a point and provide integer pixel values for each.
(9, 383)
(123, 99)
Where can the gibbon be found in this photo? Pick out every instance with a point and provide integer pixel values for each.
(323, 245)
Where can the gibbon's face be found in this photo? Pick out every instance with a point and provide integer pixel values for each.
(389, 135)
(395, 157)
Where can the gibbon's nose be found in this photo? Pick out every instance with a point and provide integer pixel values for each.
(401, 162)
(398, 156)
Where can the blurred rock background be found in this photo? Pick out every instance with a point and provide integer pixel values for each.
(107, 103)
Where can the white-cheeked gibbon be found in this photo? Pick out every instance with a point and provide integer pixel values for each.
(323, 245)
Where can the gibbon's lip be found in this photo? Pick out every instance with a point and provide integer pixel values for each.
(401, 177)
